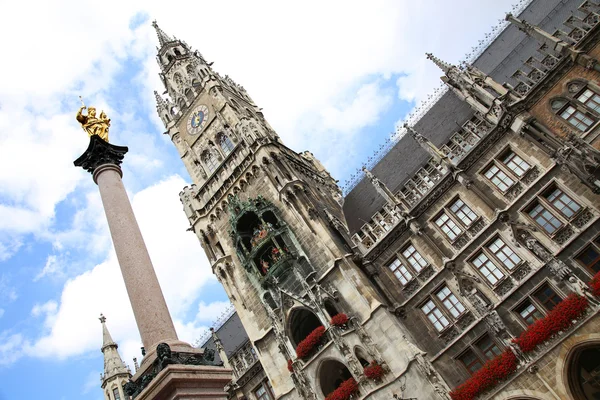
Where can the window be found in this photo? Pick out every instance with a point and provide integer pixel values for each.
(590, 257)
(488, 269)
(576, 118)
(563, 203)
(403, 275)
(488, 347)
(477, 354)
(448, 226)
(226, 144)
(414, 258)
(547, 297)
(515, 163)
(495, 260)
(435, 316)
(442, 308)
(504, 254)
(506, 170)
(553, 209)
(450, 301)
(210, 160)
(590, 98)
(545, 218)
(470, 360)
(529, 313)
(455, 219)
(116, 394)
(542, 300)
(463, 212)
(499, 178)
(264, 391)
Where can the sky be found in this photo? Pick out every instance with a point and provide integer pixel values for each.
(332, 77)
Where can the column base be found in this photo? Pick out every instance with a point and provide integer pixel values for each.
(179, 382)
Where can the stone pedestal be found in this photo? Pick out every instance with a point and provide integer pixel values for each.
(178, 382)
(171, 369)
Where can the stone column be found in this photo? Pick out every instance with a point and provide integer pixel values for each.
(152, 316)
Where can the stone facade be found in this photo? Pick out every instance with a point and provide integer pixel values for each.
(494, 228)
(271, 223)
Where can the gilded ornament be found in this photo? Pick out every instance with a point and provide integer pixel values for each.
(91, 124)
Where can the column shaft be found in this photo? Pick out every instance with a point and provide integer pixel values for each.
(146, 297)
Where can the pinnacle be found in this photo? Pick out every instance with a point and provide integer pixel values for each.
(444, 66)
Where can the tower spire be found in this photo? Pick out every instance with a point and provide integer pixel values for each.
(162, 36)
(114, 368)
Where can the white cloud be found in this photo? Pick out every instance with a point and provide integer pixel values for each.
(48, 308)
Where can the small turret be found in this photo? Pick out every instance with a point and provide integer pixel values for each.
(116, 373)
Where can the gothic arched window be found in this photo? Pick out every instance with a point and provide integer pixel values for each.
(189, 95)
(226, 144)
(210, 161)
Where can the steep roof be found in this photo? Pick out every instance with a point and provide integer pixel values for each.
(502, 58)
(232, 335)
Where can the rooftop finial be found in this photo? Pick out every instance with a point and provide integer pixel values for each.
(102, 318)
(162, 37)
(444, 66)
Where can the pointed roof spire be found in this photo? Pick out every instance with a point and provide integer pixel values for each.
(113, 364)
(162, 36)
(444, 66)
(106, 338)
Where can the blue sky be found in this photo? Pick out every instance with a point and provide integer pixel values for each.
(332, 78)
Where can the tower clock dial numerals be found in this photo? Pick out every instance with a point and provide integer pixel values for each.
(197, 119)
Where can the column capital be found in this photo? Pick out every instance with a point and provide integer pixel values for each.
(100, 152)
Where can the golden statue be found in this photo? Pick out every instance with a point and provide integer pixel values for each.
(93, 125)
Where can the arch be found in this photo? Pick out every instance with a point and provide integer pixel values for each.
(181, 103)
(330, 375)
(362, 356)
(581, 368)
(301, 322)
(176, 52)
(178, 81)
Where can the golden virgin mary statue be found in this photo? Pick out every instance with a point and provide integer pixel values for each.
(94, 125)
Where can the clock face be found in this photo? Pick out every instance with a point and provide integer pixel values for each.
(197, 119)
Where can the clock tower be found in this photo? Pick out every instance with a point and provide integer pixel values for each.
(271, 224)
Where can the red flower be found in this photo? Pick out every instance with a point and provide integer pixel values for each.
(595, 284)
(560, 318)
(488, 376)
(313, 339)
(290, 368)
(344, 391)
(374, 371)
(339, 319)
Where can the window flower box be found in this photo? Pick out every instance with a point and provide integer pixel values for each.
(560, 318)
(374, 371)
(344, 391)
(493, 372)
(340, 320)
(313, 339)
